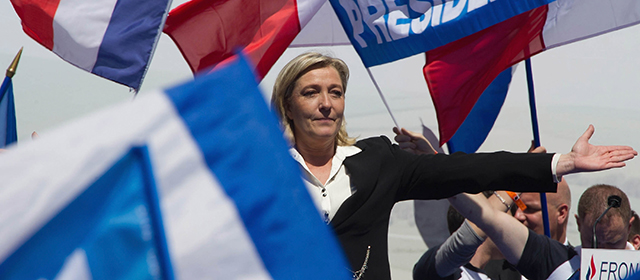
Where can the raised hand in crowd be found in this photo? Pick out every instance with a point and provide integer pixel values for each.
(413, 142)
(534, 149)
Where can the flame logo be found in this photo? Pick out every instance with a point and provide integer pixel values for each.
(591, 270)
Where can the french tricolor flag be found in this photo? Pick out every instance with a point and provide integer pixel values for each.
(208, 32)
(192, 182)
(114, 39)
(459, 72)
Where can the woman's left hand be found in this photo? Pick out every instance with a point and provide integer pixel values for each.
(413, 142)
(587, 157)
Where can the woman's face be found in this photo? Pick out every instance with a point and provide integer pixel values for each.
(317, 105)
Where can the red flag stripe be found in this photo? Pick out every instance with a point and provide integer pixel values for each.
(41, 13)
(207, 32)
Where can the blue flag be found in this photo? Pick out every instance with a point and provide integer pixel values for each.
(8, 133)
(232, 198)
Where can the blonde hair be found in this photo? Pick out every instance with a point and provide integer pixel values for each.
(286, 81)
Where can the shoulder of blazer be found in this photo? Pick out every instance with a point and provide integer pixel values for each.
(380, 142)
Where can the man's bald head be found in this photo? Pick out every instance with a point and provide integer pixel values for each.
(558, 205)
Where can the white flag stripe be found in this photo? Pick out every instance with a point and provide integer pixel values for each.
(75, 267)
(307, 9)
(78, 29)
(573, 20)
(73, 173)
(324, 29)
(194, 244)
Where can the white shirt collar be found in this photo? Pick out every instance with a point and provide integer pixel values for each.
(342, 152)
(630, 246)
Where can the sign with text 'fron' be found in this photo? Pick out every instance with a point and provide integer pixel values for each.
(601, 264)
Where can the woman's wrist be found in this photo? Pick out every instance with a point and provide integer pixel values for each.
(565, 165)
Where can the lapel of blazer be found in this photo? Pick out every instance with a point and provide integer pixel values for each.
(363, 169)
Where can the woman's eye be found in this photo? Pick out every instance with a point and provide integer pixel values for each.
(308, 92)
(337, 93)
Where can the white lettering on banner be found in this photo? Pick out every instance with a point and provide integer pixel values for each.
(399, 22)
(452, 11)
(436, 13)
(419, 24)
(355, 17)
(373, 15)
(474, 4)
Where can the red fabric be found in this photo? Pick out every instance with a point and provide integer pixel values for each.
(37, 19)
(458, 73)
(207, 32)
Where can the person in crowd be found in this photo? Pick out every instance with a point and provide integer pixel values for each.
(558, 206)
(450, 260)
(539, 257)
(614, 228)
(634, 234)
(355, 184)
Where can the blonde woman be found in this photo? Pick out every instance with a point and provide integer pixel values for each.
(355, 184)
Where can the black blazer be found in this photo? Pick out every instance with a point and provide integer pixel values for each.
(383, 174)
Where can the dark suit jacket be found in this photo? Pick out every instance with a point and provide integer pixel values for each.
(383, 174)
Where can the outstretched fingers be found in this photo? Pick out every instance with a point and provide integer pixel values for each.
(615, 156)
(621, 155)
(619, 148)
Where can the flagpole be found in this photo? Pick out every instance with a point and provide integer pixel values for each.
(11, 71)
(383, 99)
(536, 140)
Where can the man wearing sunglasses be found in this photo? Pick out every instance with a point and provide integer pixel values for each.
(558, 206)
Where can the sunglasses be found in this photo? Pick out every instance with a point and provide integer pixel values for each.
(516, 199)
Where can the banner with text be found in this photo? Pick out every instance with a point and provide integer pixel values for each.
(609, 264)
(383, 31)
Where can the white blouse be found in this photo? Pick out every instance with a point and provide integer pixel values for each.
(328, 196)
